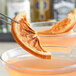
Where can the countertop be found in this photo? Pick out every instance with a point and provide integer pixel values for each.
(4, 47)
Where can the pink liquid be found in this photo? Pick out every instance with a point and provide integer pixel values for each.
(67, 40)
(47, 67)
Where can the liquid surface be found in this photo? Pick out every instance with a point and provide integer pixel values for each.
(37, 63)
(32, 66)
(65, 40)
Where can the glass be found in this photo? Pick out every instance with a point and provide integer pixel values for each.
(59, 13)
(3, 26)
(16, 6)
(68, 39)
(42, 10)
(18, 62)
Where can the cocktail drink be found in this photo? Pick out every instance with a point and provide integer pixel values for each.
(64, 40)
(67, 39)
(20, 63)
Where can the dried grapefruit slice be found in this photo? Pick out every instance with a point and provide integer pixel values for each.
(63, 26)
(26, 37)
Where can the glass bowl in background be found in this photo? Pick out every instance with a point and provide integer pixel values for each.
(68, 39)
(39, 26)
(18, 62)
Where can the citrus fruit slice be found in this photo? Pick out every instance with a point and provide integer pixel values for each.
(26, 37)
(63, 26)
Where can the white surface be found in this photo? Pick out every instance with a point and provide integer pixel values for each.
(4, 47)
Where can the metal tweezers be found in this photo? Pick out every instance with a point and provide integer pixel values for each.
(8, 18)
(20, 23)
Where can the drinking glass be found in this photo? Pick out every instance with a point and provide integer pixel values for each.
(67, 39)
(18, 62)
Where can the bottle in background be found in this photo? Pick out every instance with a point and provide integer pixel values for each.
(62, 7)
(32, 11)
(3, 28)
(42, 10)
(16, 6)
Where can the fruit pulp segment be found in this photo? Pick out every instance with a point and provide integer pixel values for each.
(35, 65)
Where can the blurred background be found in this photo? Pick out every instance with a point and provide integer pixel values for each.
(37, 10)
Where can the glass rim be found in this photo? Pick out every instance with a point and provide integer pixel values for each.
(72, 33)
(57, 69)
(51, 21)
